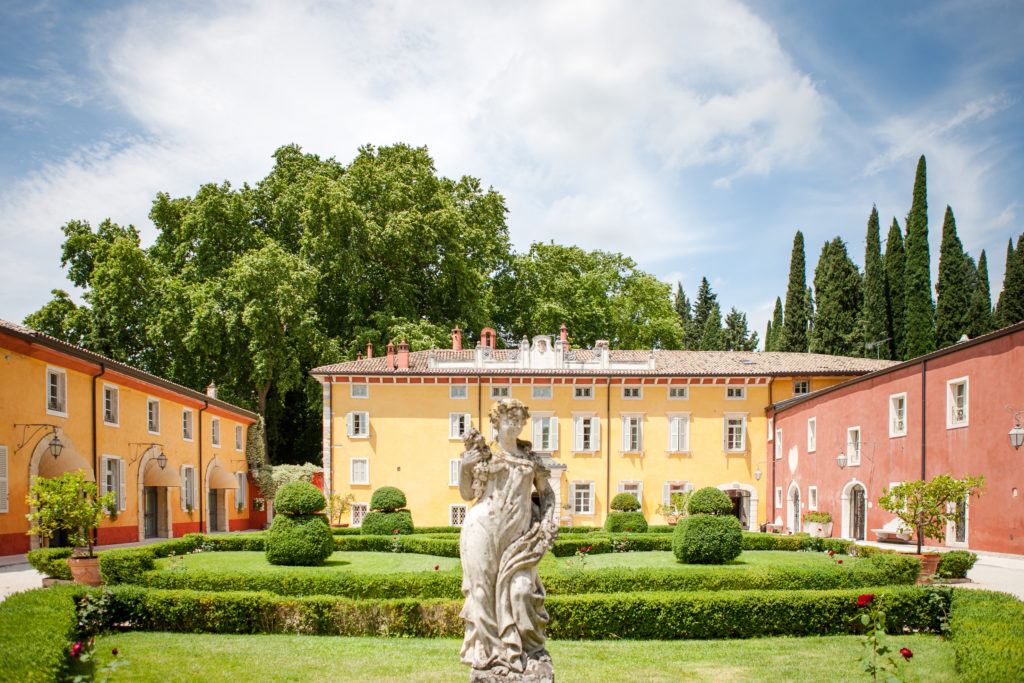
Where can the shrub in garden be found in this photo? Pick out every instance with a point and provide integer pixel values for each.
(304, 540)
(299, 498)
(387, 499)
(618, 522)
(386, 515)
(125, 565)
(956, 564)
(709, 501)
(51, 562)
(707, 539)
(625, 502)
(38, 627)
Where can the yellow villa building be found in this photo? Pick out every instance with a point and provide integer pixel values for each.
(648, 422)
(174, 457)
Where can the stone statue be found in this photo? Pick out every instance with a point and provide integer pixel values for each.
(506, 533)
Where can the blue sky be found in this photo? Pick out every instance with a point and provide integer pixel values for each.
(694, 137)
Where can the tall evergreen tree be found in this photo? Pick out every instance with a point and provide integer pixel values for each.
(703, 303)
(737, 338)
(713, 338)
(809, 309)
(919, 320)
(768, 337)
(875, 317)
(979, 315)
(1011, 299)
(794, 330)
(777, 326)
(838, 290)
(691, 333)
(952, 294)
(895, 297)
(1006, 270)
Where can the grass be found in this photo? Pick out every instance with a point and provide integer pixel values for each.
(383, 563)
(167, 657)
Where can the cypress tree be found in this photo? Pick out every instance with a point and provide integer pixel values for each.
(919, 318)
(1011, 299)
(768, 337)
(895, 297)
(702, 305)
(979, 316)
(809, 310)
(778, 325)
(713, 338)
(952, 294)
(1006, 270)
(875, 318)
(691, 333)
(737, 338)
(838, 289)
(794, 329)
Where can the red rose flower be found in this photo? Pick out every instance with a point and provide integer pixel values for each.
(114, 652)
(865, 599)
(839, 561)
(436, 567)
(907, 654)
(830, 553)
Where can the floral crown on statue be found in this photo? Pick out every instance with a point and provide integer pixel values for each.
(509, 407)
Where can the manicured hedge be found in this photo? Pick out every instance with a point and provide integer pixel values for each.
(51, 562)
(756, 541)
(303, 540)
(987, 632)
(623, 521)
(377, 523)
(125, 565)
(663, 615)
(355, 531)
(707, 538)
(299, 498)
(956, 564)
(38, 627)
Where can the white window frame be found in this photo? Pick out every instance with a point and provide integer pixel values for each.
(454, 471)
(215, 432)
(357, 424)
(577, 487)
(358, 511)
(812, 434)
(241, 493)
(352, 472)
(894, 429)
(111, 412)
(60, 409)
(633, 393)
(851, 450)
(359, 390)
(812, 498)
(542, 393)
(115, 466)
(583, 393)
(452, 517)
(152, 411)
(239, 438)
(675, 486)
(678, 393)
(498, 393)
(678, 433)
(778, 497)
(954, 421)
(627, 444)
(797, 384)
(458, 425)
(778, 442)
(187, 425)
(537, 420)
(741, 392)
(188, 487)
(634, 486)
(578, 446)
(726, 418)
(454, 391)
(5, 480)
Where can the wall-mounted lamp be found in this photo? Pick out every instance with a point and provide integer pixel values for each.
(757, 470)
(54, 447)
(841, 459)
(161, 459)
(1017, 433)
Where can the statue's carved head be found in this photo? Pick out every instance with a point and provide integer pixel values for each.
(509, 409)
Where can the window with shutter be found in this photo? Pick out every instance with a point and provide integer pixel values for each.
(4, 481)
(241, 494)
(632, 434)
(186, 424)
(56, 392)
(358, 424)
(110, 405)
(812, 435)
(122, 490)
(215, 431)
(678, 433)
(454, 465)
(956, 403)
(458, 425)
(153, 415)
(360, 471)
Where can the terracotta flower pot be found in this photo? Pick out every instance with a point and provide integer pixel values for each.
(85, 570)
(929, 565)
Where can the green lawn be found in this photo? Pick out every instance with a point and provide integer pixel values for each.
(165, 657)
(381, 563)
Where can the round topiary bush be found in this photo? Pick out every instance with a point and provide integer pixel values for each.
(387, 499)
(625, 502)
(299, 498)
(303, 540)
(709, 501)
(707, 539)
(626, 521)
(378, 523)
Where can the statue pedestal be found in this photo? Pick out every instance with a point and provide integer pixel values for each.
(542, 672)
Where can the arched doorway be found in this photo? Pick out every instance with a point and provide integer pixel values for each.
(155, 495)
(855, 511)
(744, 503)
(793, 501)
(42, 464)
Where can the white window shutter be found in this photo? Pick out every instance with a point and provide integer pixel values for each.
(4, 479)
(666, 493)
(554, 433)
(595, 433)
(572, 496)
(350, 423)
(725, 434)
(537, 433)
(625, 434)
(577, 438)
(102, 476)
(181, 491)
(121, 485)
(640, 492)
(673, 433)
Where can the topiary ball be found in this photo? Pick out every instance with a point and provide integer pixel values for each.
(625, 502)
(626, 521)
(707, 539)
(378, 523)
(299, 498)
(302, 540)
(387, 499)
(709, 501)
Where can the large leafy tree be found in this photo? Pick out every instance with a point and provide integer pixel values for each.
(919, 317)
(794, 330)
(895, 291)
(837, 287)
(875, 320)
(952, 294)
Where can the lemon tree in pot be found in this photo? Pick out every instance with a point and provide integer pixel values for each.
(70, 503)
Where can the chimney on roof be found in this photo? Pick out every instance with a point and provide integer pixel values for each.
(359, 356)
(391, 355)
(456, 339)
(403, 355)
(563, 333)
(369, 349)
(211, 390)
(488, 336)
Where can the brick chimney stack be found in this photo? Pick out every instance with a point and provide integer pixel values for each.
(563, 334)
(391, 354)
(359, 356)
(488, 337)
(369, 349)
(403, 355)
(456, 339)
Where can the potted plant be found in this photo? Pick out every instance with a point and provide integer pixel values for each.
(70, 503)
(676, 509)
(189, 509)
(928, 506)
(337, 506)
(818, 524)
